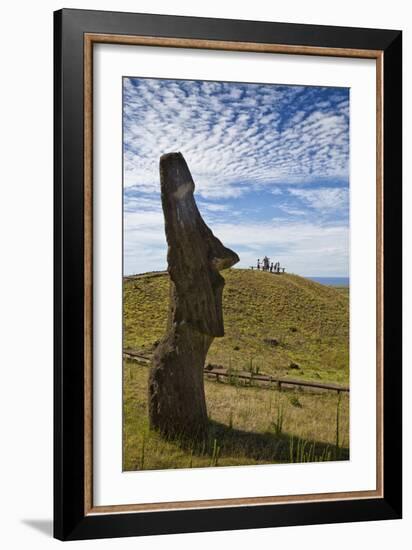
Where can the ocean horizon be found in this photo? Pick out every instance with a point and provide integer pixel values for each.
(331, 281)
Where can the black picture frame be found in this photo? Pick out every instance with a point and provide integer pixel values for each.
(71, 522)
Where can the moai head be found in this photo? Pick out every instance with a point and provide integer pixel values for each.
(195, 256)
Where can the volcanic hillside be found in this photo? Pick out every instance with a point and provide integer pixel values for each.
(275, 324)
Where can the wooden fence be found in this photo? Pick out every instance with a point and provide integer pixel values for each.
(250, 377)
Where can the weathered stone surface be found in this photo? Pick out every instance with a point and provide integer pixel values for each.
(177, 404)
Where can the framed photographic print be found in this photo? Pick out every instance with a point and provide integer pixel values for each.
(227, 274)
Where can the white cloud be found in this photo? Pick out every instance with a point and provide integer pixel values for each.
(235, 137)
(291, 211)
(303, 247)
(325, 198)
(212, 207)
(270, 143)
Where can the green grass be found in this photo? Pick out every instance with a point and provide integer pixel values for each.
(248, 425)
(283, 325)
(309, 321)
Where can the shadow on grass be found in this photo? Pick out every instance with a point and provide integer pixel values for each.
(224, 441)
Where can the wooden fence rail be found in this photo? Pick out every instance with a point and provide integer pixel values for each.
(247, 376)
(279, 382)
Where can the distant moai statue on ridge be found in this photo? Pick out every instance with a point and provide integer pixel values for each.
(267, 265)
(177, 404)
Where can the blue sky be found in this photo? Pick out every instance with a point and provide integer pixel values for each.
(270, 165)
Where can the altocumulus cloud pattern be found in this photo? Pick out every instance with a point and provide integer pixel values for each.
(270, 164)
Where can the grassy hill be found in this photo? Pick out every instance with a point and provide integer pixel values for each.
(280, 324)
(272, 322)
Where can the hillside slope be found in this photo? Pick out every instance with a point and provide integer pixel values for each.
(279, 324)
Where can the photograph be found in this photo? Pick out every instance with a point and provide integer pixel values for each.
(227, 273)
(236, 223)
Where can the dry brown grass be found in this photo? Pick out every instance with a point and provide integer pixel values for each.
(248, 425)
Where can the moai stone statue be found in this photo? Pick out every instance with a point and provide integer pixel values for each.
(177, 405)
